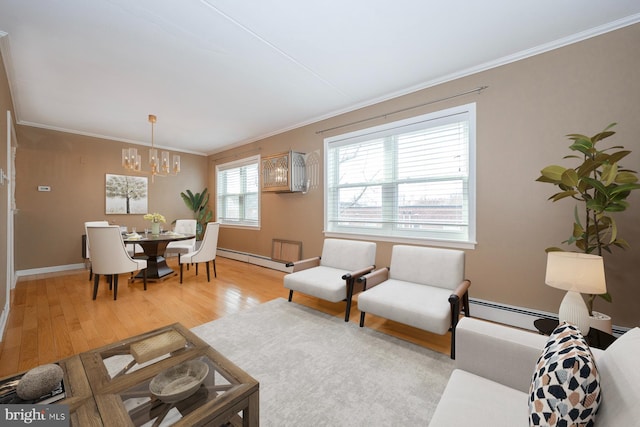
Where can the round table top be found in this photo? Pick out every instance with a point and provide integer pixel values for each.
(163, 237)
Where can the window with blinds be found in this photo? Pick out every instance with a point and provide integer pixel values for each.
(237, 195)
(410, 179)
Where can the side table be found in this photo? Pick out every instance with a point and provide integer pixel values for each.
(595, 338)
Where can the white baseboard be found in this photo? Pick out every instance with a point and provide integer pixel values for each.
(4, 318)
(52, 269)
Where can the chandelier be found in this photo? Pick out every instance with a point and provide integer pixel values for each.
(160, 166)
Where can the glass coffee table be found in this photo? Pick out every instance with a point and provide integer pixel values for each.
(109, 386)
(120, 374)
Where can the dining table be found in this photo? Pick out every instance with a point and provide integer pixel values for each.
(154, 247)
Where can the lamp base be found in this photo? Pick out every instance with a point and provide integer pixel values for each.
(574, 310)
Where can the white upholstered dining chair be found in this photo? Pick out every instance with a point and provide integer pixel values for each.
(88, 224)
(109, 257)
(206, 252)
(183, 226)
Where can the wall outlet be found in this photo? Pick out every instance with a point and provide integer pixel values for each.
(44, 188)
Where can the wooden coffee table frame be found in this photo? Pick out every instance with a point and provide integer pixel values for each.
(94, 398)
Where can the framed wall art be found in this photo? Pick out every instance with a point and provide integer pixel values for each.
(126, 194)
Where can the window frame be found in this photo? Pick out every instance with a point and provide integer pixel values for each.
(242, 223)
(424, 121)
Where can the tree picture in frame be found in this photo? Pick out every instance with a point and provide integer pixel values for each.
(126, 194)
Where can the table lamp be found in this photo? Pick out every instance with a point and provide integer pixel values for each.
(576, 273)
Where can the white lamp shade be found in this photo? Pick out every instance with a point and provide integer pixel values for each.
(577, 272)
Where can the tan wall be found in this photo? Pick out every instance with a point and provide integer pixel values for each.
(5, 104)
(521, 122)
(49, 225)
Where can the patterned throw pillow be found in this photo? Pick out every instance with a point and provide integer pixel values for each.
(565, 389)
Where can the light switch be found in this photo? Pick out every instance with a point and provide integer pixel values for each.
(44, 188)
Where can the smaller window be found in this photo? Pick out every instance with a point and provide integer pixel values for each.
(237, 195)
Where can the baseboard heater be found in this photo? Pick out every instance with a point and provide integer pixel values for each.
(262, 261)
(516, 316)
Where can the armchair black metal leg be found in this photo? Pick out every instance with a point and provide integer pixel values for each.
(350, 284)
(208, 274)
(96, 281)
(181, 273)
(196, 268)
(348, 310)
(90, 272)
(465, 302)
(290, 294)
(115, 287)
(362, 313)
(455, 315)
(144, 278)
(215, 274)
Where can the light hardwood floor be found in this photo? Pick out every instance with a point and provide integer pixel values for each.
(52, 316)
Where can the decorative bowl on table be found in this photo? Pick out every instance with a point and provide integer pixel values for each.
(180, 381)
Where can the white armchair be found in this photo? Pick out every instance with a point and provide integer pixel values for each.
(333, 275)
(423, 287)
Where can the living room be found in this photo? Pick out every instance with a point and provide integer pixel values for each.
(545, 98)
(523, 117)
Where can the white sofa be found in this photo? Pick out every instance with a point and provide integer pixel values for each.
(494, 369)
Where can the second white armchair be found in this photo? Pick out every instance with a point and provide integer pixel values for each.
(423, 287)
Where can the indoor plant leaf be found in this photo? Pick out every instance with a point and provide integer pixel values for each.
(626, 178)
(553, 172)
(562, 195)
(570, 178)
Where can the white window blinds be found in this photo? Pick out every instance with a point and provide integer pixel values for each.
(237, 195)
(407, 179)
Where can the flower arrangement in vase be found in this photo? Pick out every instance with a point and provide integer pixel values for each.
(155, 219)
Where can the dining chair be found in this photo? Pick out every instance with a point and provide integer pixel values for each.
(205, 253)
(110, 257)
(88, 224)
(183, 226)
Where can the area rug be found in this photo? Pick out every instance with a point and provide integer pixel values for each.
(316, 370)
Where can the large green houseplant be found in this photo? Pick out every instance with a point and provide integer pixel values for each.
(601, 186)
(198, 203)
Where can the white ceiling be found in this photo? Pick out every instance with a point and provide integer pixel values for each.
(220, 73)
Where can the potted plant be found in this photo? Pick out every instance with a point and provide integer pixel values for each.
(198, 204)
(601, 186)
